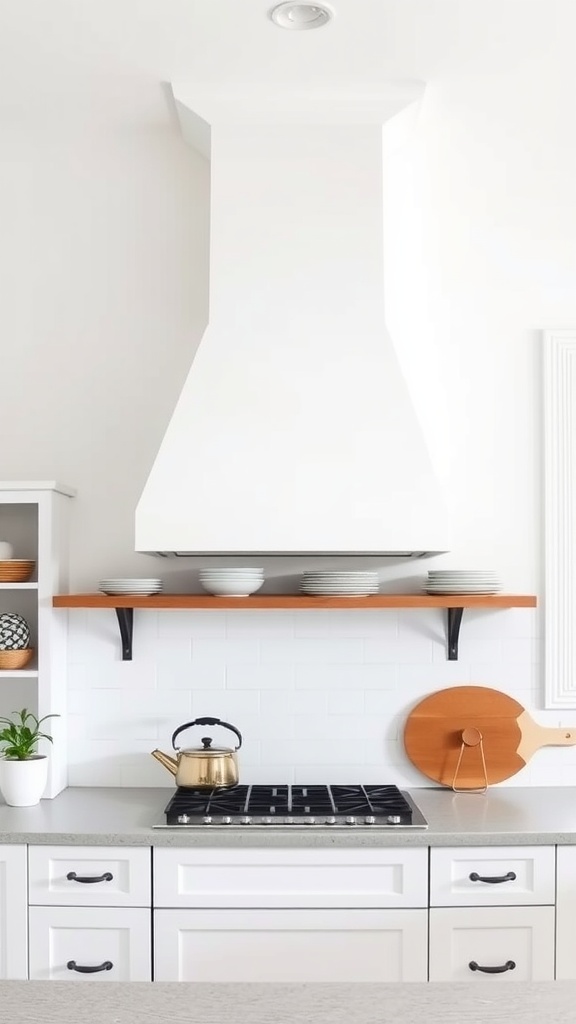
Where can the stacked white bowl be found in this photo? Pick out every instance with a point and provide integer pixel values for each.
(129, 586)
(231, 582)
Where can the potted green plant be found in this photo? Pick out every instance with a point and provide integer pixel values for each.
(23, 771)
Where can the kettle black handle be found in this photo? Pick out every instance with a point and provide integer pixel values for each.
(207, 721)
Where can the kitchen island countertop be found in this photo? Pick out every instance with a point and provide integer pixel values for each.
(124, 817)
(32, 1002)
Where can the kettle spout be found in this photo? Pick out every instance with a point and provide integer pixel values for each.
(169, 762)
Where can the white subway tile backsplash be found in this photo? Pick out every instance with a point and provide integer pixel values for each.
(398, 651)
(346, 702)
(188, 676)
(345, 622)
(339, 774)
(286, 703)
(519, 650)
(311, 651)
(318, 695)
(239, 651)
(195, 623)
(169, 651)
(352, 678)
(268, 622)
(259, 677)
(416, 681)
(226, 704)
(299, 751)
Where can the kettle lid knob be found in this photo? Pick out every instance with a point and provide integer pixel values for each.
(206, 742)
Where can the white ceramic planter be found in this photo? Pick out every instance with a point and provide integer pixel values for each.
(22, 783)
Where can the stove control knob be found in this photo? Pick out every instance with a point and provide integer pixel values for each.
(370, 819)
(183, 819)
(226, 819)
(246, 820)
(266, 821)
(310, 821)
(394, 819)
(207, 819)
(350, 821)
(330, 821)
(289, 821)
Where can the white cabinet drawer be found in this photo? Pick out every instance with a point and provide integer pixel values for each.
(494, 938)
(468, 876)
(117, 876)
(218, 877)
(79, 944)
(290, 945)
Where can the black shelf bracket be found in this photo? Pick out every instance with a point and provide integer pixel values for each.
(126, 623)
(454, 622)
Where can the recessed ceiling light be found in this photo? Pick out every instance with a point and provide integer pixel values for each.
(300, 16)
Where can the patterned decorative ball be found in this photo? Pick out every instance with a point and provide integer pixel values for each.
(14, 632)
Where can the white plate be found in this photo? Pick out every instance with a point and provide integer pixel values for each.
(463, 590)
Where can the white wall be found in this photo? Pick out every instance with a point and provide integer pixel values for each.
(103, 299)
(103, 260)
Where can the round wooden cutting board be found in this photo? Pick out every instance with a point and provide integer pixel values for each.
(469, 724)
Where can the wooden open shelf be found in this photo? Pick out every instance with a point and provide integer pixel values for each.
(296, 601)
(453, 603)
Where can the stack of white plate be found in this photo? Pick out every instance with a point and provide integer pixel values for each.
(231, 582)
(127, 586)
(462, 581)
(352, 583)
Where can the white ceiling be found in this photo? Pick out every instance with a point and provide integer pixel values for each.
(105, 60)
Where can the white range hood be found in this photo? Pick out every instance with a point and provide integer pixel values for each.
(294, 432)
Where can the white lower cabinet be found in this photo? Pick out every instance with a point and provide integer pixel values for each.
(90, 944)
(13, 913)
(496, 944)
(290, 945)
(566, 913)
(287, 915)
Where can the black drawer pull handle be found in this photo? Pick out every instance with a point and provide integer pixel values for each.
(508, 966)
(106, 877)
(493, 879)
(84, 969)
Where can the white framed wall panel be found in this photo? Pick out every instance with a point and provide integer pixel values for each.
(559, 517)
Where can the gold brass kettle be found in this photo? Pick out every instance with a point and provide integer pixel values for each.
(204, 767)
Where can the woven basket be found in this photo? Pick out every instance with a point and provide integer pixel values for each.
(16, 570)
(16, 659)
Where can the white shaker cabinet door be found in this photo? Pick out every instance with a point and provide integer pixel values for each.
(494, 944)
(13, 913)
(290, 945)
(89, 944)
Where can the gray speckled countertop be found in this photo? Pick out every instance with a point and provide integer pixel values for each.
(124, 817)
(47, 1002)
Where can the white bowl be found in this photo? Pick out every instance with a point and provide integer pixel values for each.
(231, 572)
(232, 588)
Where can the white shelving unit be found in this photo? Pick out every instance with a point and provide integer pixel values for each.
(34, 519)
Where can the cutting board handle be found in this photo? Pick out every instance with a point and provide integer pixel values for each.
(535, 736)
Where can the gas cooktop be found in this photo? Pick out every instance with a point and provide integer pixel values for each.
(312, 806)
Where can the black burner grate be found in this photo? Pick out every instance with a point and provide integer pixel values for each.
(290, 800)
